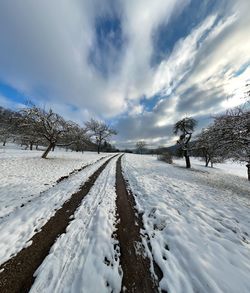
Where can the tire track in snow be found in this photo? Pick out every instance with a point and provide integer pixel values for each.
(20, 227)
(136, 265)
(16, 275)
(85, 259)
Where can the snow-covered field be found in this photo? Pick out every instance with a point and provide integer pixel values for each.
(198, 222)
(234, 168)
(24, 209)
(24, 175)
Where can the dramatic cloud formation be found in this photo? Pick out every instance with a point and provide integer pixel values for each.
(140, 65)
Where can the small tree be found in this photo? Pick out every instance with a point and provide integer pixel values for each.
(140, 146)
(185, 127)
(99, 131)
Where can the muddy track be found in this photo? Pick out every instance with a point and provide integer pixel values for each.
(17, 273)
(77, 171)
(134, 262)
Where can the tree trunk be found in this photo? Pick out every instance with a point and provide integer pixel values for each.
(98, 148)
(188, 165)
(248, 171)
(207, 161)
(53, 148)
(49, 148)
(37, 146)
(31, 146)
(4, 142)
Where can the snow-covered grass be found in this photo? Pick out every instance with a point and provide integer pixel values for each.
(84, 258)
(24, 175)
(29, 195)
(230, 167)
(198, 222)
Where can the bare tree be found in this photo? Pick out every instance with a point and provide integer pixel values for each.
(185, 127)
(140, 146)
(99, 131)
(6, 125)
(233, 131)
(77, 138)
(45, 125)
(208, 146)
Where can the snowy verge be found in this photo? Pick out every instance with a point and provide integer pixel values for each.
(18, 227)
(199, 229)
(84, 259)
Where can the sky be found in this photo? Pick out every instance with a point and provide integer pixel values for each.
(138, 65)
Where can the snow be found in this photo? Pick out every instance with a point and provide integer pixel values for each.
(24, 174)
(230, 167)
(22, 222)
(198, 222)
(84, 259)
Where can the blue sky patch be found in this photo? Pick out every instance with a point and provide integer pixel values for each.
(242, 69)
(12, 94)
(149, 104)
(166, 36)
(109, 41)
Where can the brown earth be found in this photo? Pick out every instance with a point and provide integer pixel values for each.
(17, 273)
(134, 262)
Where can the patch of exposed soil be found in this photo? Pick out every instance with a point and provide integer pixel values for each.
(134, 262)
(17, 273)
(77, 170)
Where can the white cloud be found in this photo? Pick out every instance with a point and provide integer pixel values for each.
(44, 53)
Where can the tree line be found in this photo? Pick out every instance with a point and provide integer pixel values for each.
(228, 137)
(34, 126)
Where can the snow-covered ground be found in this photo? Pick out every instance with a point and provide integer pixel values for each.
(234, 168)
(198, 222)
(22, 222)
(84, 259)
(24, 175)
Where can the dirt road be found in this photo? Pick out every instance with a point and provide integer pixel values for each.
(16, 275)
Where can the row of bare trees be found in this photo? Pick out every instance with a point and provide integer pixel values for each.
(35, 126)
(227, 138)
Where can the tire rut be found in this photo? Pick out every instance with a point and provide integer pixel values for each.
(91, 205)
(134, 262)
(16, 274)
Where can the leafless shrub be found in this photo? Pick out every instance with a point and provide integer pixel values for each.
(165, 157)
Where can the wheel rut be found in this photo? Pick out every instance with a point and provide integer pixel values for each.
(16, 275)
(134, 262)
